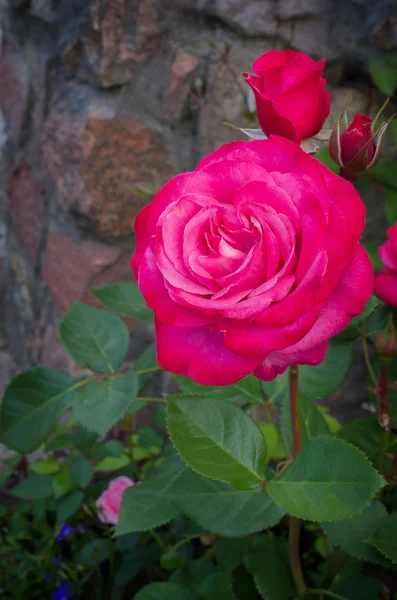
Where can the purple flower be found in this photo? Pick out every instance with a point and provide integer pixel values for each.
(56, 561)
(68, 530)
(64, 591)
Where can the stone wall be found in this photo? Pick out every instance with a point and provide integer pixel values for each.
(100, 99)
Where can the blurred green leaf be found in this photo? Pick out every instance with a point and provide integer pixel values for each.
(45, 467)
(62, 484)
(93, 553)
(125, 299)
(383, 72)
(163, 591)
(247, 390)
(81, 473)
(216, 587)
(69, 505)
(32, 404)
(34, 487)
(351, 534)
(112, 463)
(384, 538)
(267, 560)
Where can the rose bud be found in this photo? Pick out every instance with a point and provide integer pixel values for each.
(386, 341)
(386, 280)
(289, 93)
(109, 502)
(357, 147)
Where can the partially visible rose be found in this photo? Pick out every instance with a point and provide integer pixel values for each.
(386, 280)
(289, 92)
(251, 262)
(109, 502)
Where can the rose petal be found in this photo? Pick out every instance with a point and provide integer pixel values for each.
(201, 354)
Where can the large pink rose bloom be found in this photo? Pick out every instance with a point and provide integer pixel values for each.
(109, 502)
(251, 262)
(289, 92)
(386, 280)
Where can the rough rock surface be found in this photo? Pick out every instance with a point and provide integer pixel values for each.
(101, 101)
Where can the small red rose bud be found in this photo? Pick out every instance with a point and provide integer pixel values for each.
(386, 341)
(357, 147)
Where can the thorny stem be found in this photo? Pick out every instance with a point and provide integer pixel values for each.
(368, 361)
(295, 524)
(383, 416)
(294, 408)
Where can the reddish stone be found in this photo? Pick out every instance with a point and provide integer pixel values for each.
(182, 71)
(72, 264)
(13, 86)
(120, 34)
(97, 160)
(26, 197)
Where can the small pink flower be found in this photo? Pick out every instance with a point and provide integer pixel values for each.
(109, 502)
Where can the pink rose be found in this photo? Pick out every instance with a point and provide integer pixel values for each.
(289, 93)
(386, 280)
(251, 262)
(109, 502)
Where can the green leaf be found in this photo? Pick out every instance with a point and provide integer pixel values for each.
(148, 438)
(217, 439)
(147, 360)
(366, 435)
(216, 587)
(112, 463)
(45, 467)
(85, 440)
(324, 157)
(146, 506)
(384, 538)
(328, 480)
(125, 299)
(267, 560)
(352, 584)
(383, 72)
(81, 473)
(69, 505)
(101, 404)
(163, 591)
(94, 552)
(246, 390)
(59, 442)
(34, 487)
(351, 534)
(32, 404)
(220, 508)
(229, 553)
(94, 338)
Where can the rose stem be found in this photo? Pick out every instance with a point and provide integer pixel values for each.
(295, 524)
(384, 417)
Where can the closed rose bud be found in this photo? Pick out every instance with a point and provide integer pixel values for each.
(289, 94)
(356, 147)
